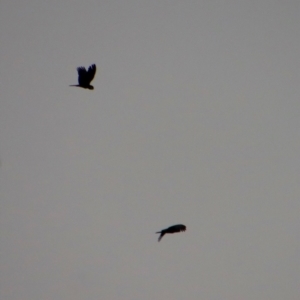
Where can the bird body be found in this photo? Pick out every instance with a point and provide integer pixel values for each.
(171, 229)
(85, 77)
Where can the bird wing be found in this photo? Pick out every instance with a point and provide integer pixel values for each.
(162, 233)
(82, 76)
(91, 73)
(176, 228)
(181, 227)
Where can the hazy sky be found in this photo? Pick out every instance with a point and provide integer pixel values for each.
(195, 119)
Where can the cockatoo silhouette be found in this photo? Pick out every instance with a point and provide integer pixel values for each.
(172, 229)
(85, 77)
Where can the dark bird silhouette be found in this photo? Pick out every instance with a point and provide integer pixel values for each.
(85, 77)
(172, 229)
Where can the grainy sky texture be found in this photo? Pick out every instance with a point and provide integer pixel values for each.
(195, 119)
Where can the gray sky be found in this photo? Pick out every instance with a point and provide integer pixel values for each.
(194, 119)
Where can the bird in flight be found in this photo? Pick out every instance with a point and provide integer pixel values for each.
(172, 229)
(85, 77)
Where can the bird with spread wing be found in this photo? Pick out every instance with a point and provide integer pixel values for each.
(172, 229)
(85, 77)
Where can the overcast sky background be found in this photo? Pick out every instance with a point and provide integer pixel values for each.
(195, 119)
